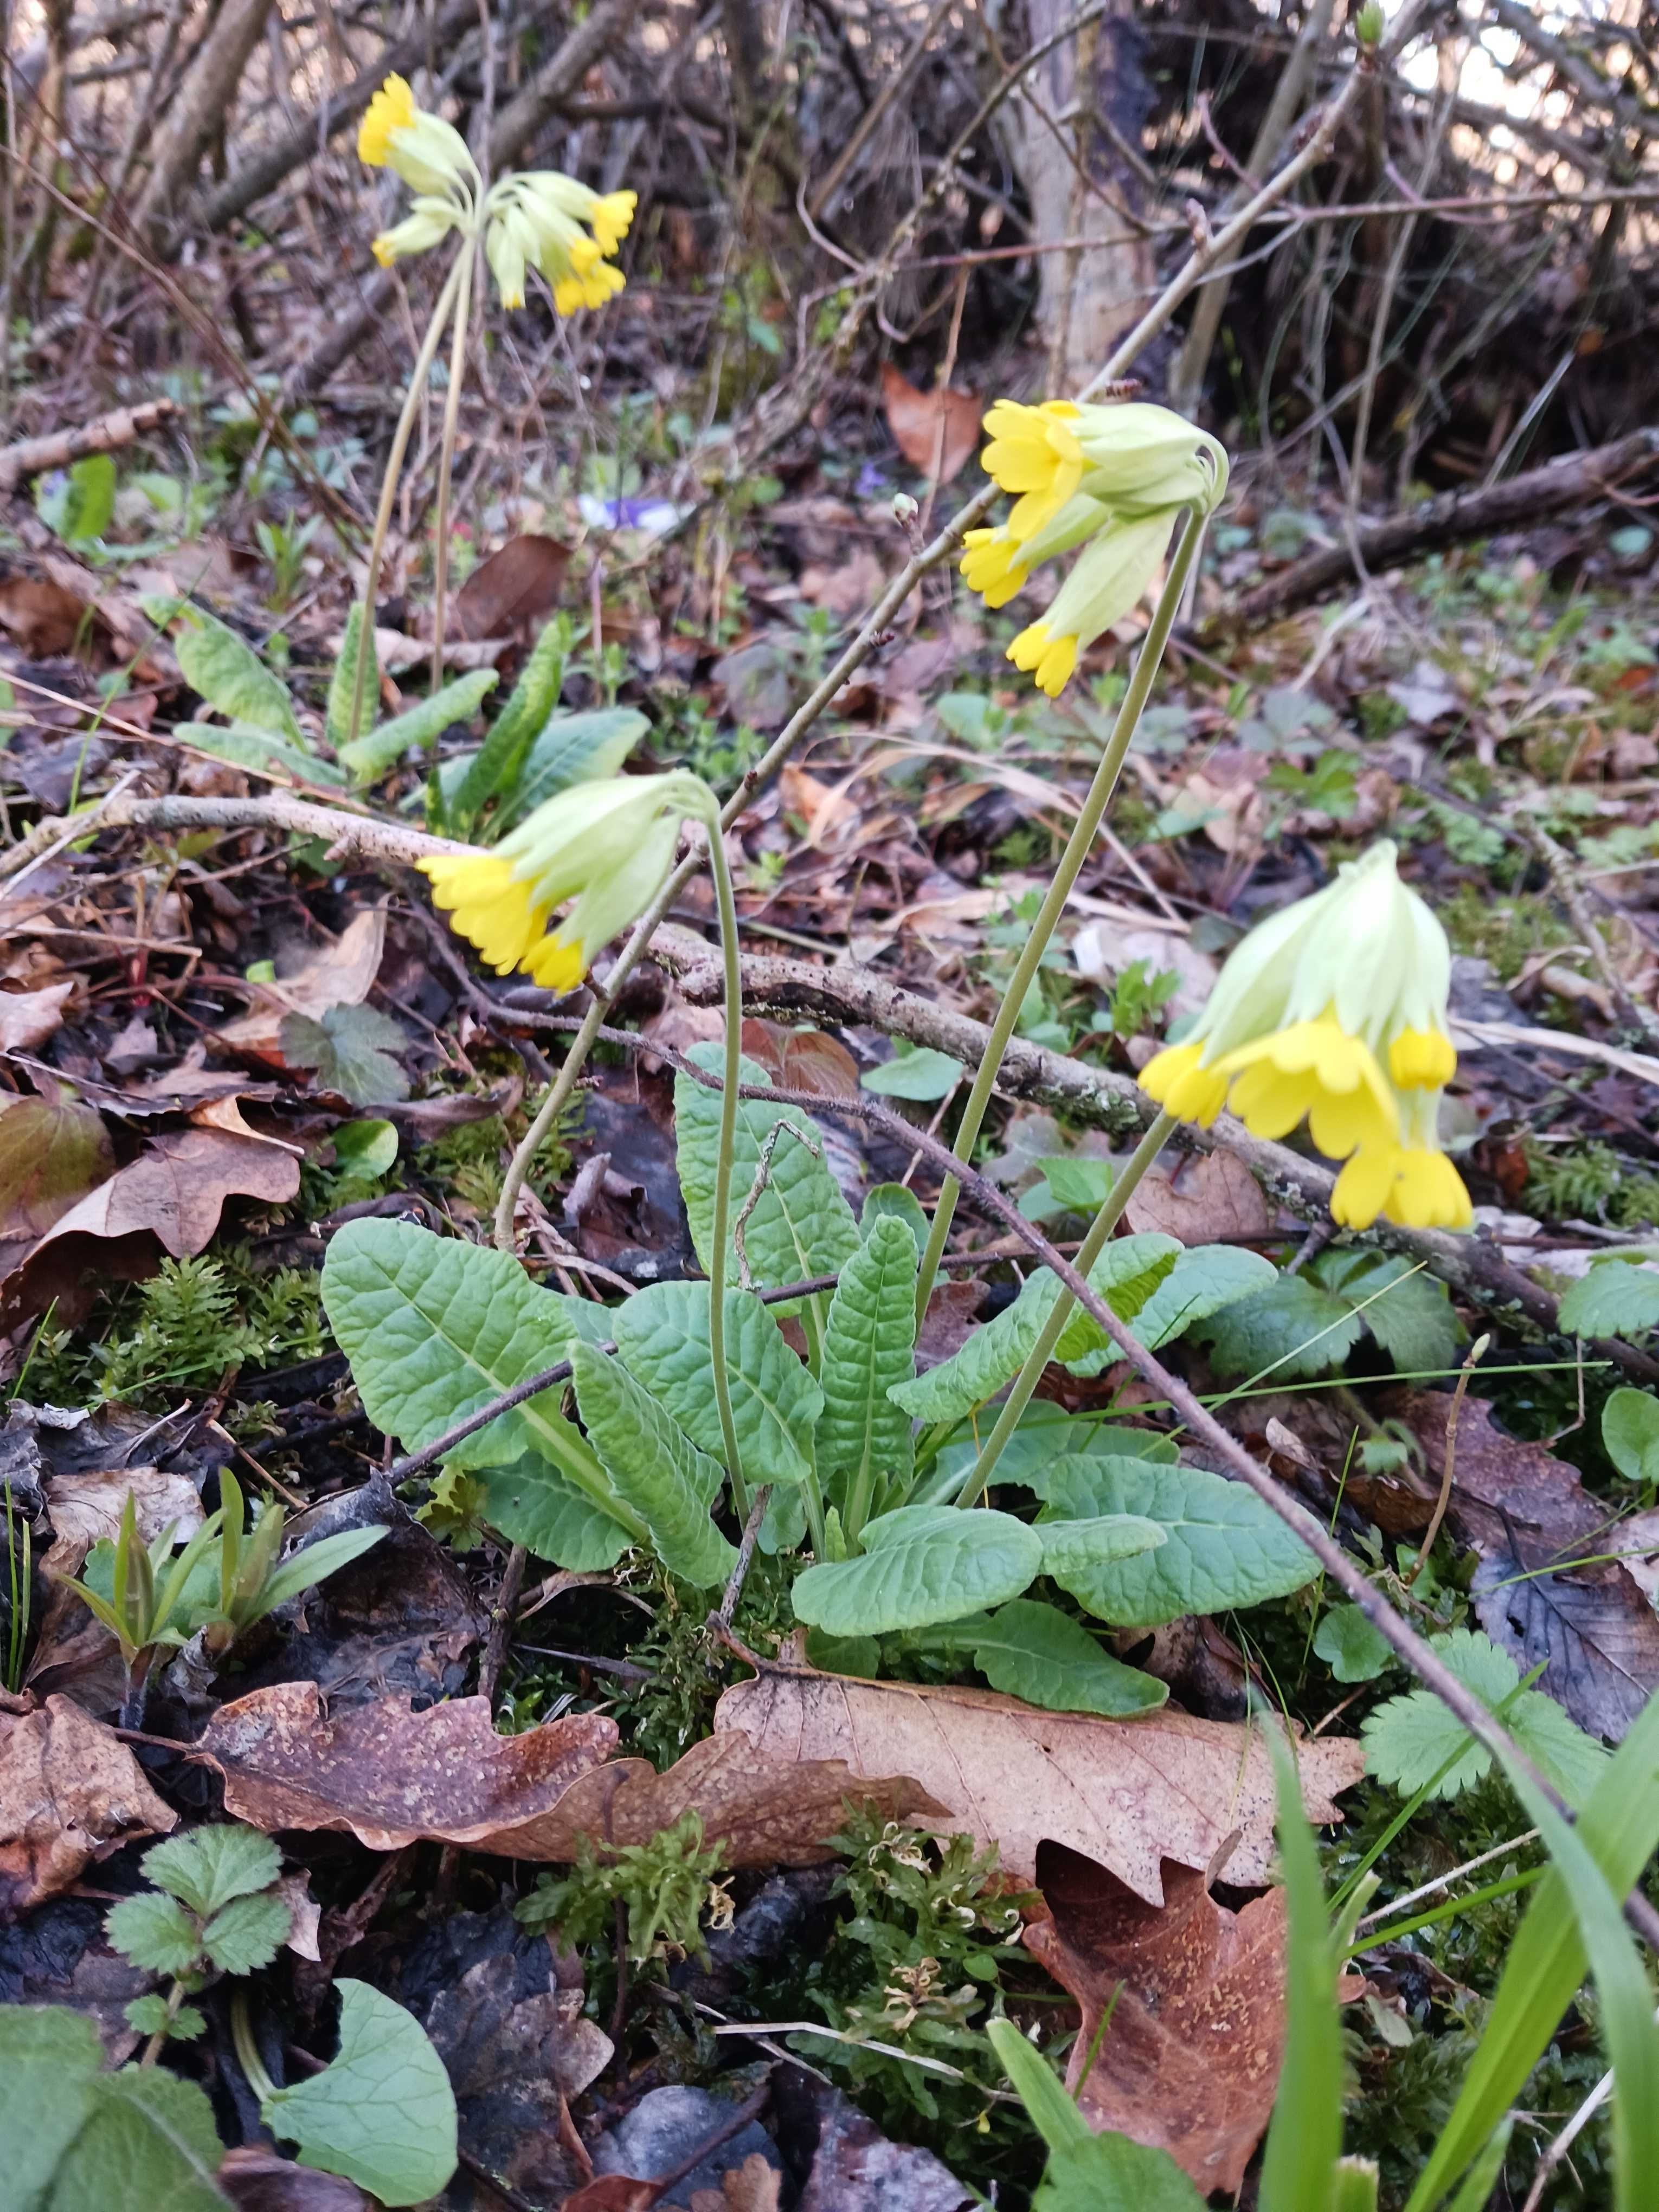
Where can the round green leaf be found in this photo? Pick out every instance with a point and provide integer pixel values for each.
(921, 1564)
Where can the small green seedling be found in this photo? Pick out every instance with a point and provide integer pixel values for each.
(214, 1909)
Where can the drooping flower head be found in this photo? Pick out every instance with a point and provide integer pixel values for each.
(534, 220)
(1111, 478)
(607, 845)
(1334, 1012)
(430, 154)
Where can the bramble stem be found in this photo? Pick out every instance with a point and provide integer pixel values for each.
(1019, 1392)
(469, 255)
(394, 465)
(1078, 846)
(720, 1234)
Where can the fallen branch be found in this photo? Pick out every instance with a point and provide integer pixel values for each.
(32, 457)
(1452, 518)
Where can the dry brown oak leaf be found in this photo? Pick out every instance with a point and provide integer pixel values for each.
(936, 431)
(1196, 1995)
(1131, 1793)
(391, 1777)
(69, 1791)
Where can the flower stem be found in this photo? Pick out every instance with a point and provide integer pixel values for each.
(1078, 847)
(720, 1234)
(248, 2050)
(531, 1143)
(394, 464)
(465, 259)
(1019, 1392)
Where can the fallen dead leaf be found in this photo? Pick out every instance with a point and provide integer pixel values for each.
(339, 974)
(53, 1150)
(1210, 1198)
(936, 431)
(1130, 1794)
(85, 1508)
(823, 808)
(751, 2187)
(851, 586)
(800, 1060)
(390, 1777)
(523, 582)
(43, 616)
(1196, 1996)
(1526, 1513)
(29, 1018)
(172, 1195)
(69, 1791)
(257, 2180)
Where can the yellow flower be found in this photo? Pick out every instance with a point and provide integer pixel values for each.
(392, 108)
(1107, 579)
(607, 845)
(534, 220)
(1034, 452)
(996, 563)
(1334, 1012)
(1135, 458)
(427, 220)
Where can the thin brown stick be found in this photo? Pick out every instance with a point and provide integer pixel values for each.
(739, 1574)
(500, 1623)
(1477, 1352)
(30, 457)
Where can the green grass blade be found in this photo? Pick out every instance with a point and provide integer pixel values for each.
(1053, 2115)
(1482, 2177)
(1304, 2140)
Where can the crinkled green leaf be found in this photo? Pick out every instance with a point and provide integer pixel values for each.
(923, 1564)
(1615, 1298)
(530, 1502)
(49, 2062)
(350, 1048)
(1045, 1434)
(923, 1075)
(343, 684)
(1412, 1319)
(892, 1201)
(204, 1868)
(382, 2112)
(1074, 1549)
(437, 1328)
(1128, 1274)
(493, 771)
(662, 1334)
(150, 2145)
(1408, 1739)
(1352, 1649)
(262, 751)
(1036, 1651)
(654, 1466)
(155, 1932)
(1110, 2173)
(225, 669)
(800, 1226)
(869, 1347)
(1294, 1327)
(573, 749)
(376, 751)
(1224, 1547)
(247, 1934)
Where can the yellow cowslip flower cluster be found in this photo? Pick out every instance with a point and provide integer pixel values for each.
(607, 844)
(1334, 1012)
(531, 219)
(1112, 479)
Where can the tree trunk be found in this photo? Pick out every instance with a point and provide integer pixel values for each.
(204, 101)
(1076, 132)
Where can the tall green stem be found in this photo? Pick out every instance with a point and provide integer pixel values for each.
(731, 1075)
(468, 256)
(1019, 1394)
(394, 466)
(1078, 847)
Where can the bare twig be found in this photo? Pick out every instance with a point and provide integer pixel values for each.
(1477, 1352)
(30, 457)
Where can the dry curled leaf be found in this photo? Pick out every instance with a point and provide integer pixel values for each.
(257, 2180)
(85, 1508)
(1196, 1996)
(751, 2187)
(1131, 1793)
(69, 1791)
(336, 974)
(522, 582)
(390, 1776)
(936, 431)
(29, 1018)
(1209, 1198)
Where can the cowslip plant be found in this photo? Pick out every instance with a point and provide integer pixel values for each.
(145, 1585)
(213, 1909)
(250, 1581)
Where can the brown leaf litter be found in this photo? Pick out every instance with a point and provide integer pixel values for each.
(1196, 1997)
(70, 1791)
(1131, 1793)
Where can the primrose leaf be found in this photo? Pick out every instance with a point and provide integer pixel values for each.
(662, 1334)
(435, 1328)
(1075, 1548)
(155, 1932)
(1126, 1275)
(378, 750)
(350, 1048)
(382, 2113)
(924, 1076)
(1224, 1547)
(247, 1934)
(225, 669)
(653, 1468)
(49, 2063)
(1036, 1652)
(343, 684)
(800, 1226)
(531, 1503)
(892, 1202)
(206, 1867)
(1111, 2173)
(246, 745)
(869, 1347)
(573, 749)
(989, 1358)
(493, 771)
(1630, 1432)
(1045, 1435)
(1615, 1298)
(149, 2142)
(921, 1564)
